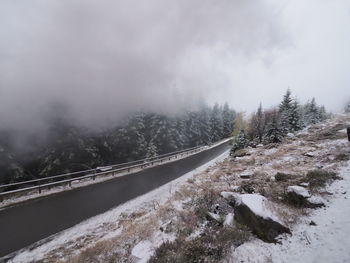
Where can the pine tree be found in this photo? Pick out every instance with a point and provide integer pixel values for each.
(227, 121)
(216, 124)
(240, 141)
(193, 130)
(285, 111)
(274, 132)
(295, 117)
(257, 125)
(311, 112)
(204, 125)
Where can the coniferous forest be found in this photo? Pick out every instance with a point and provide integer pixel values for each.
(69, 147)
(272, 125)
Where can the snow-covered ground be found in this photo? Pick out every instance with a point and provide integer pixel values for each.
(327, 241)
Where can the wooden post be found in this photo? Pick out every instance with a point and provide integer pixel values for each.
(348, 129)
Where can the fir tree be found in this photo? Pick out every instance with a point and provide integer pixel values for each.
(295, 117)
(257, 125)
(274, 132)
(241, 141)
(216, 124)
(227, 121)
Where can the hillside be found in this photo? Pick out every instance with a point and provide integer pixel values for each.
(193, 217)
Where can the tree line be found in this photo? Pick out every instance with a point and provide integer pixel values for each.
(272, 125)
(140, 135)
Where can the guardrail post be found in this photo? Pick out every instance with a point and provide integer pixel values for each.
(128, 170)
(70, 183)
(348, 130)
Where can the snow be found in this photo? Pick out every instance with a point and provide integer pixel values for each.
(299, 191)
(258, 204)
(229, 219)
(215, 216)
(143, 251)
(94, 225)
(328, 241)
(227, 195)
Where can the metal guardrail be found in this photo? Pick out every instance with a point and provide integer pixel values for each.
(68, 178)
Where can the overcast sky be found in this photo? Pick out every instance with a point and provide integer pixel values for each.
(103, 58)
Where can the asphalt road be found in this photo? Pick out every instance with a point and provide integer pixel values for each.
(23, 225)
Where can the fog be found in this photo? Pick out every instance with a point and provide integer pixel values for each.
(102, 59)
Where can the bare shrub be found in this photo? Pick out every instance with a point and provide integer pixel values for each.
(212, 246)
(319, 178)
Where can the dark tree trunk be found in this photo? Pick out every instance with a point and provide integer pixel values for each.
(348, 129)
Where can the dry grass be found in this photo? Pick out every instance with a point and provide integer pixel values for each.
(273, 173)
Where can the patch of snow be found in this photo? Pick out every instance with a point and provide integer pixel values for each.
(216, 217)
(299, 191)
(227, 195)
(143, 251)
(229, 219)
(258, 204)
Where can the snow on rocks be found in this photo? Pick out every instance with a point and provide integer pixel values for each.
(229, 219)
(255, 211)
(300, 196)
(299, 191)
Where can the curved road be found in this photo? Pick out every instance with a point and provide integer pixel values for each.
(25, 224)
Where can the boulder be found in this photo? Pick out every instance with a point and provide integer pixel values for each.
(254, 211)
(241, 153)
(301, 197)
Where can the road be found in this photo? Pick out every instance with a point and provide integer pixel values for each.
(23, 225)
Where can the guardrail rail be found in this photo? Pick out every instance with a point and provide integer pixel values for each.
(67, 179)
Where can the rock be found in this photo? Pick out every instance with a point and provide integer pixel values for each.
(312, 223)
(241, 153)
(253, 210)
(315, 202)
(304, 184)
(301, 197)
(290, 135)
(235, 188)
(298, 190)
(215, 217)
(310, 154)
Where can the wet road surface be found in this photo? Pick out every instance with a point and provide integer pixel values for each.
(32, 221)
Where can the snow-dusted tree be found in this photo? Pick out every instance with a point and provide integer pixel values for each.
(240, 141)
(228, 116)
(151, 150)
(274, 132)
(204, 125)
(347, 107)
(295, 119)
(286, 103)
(193, 132)
(216, 124)
(311, 112)
(257, 125)
(285, 111)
